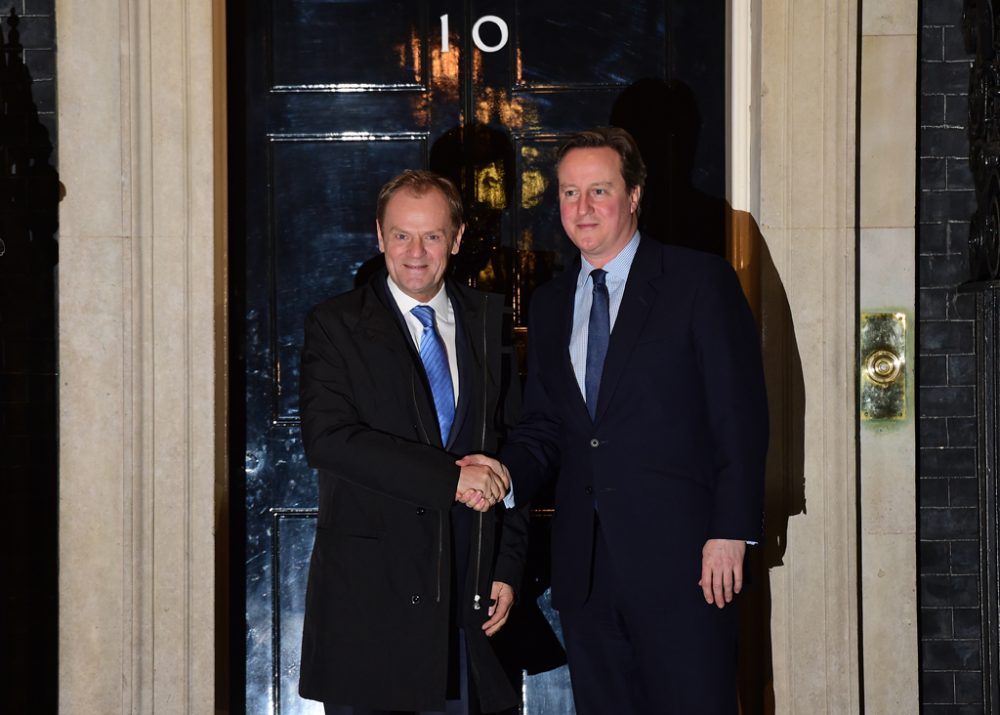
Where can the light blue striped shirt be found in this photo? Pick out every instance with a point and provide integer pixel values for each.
(617, 269)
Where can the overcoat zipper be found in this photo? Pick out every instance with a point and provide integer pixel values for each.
(476, 599)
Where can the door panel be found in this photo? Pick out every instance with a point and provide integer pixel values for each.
(334, 97)
(320, 237)
(347, 45)
(560, 47)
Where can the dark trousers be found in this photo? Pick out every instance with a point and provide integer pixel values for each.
(631, 659)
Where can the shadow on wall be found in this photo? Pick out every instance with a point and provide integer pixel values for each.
(29, 196)
(784, 494)
(664, 118)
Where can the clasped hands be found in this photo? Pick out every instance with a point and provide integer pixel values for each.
(482, 483)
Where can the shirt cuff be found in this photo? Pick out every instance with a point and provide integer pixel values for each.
(508, 501)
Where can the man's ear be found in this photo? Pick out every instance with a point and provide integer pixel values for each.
(381, 242)
(634, 199)
(458, 239)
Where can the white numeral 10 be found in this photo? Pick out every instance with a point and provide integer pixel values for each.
(501, 25)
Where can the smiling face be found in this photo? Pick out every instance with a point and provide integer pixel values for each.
(416, 235)
(598, 212)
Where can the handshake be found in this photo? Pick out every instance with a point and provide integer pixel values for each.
(482, 483)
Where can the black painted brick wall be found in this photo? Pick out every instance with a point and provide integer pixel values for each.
(28, 422)
(951, 679)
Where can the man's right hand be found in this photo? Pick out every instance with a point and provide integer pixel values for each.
(480, 484)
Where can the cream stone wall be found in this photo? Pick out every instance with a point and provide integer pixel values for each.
(137, 282)
(813, 236)
(806, 220)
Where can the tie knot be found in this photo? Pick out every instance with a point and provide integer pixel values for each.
(425, 314)
(597, 275)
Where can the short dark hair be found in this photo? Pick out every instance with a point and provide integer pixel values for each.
(419, 182)
(633, 168)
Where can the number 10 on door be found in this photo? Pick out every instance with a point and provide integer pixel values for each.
(476, 38)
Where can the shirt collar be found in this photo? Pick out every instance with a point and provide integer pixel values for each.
(617, 268)
(440, 302)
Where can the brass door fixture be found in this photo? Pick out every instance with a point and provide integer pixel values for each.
(883, 366)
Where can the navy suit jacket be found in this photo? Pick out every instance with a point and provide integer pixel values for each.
(675, 455)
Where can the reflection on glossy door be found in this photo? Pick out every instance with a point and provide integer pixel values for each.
(334, 98)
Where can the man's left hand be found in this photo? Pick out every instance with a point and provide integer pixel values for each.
(722, 570)
(501, 599)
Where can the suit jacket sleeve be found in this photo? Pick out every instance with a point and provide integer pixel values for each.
(337, 439)
(532, 451)
(728, 351)
(513, 550)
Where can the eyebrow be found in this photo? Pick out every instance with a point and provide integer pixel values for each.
(596, 183)
(397, 229)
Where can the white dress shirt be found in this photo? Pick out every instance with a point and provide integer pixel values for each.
(617, 274)
(444, 321)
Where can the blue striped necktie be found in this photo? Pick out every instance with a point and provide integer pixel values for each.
(598, 335)
(435, 359)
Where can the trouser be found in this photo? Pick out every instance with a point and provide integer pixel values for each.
(632, 659)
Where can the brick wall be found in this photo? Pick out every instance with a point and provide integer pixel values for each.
(28, 440)
(951, 678)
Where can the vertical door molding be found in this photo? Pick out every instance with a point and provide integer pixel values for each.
(743, 143)
(886, 274)
(137, 301)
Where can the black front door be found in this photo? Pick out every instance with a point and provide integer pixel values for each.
(331, 98)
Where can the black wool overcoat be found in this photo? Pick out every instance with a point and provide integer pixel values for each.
(378, 597)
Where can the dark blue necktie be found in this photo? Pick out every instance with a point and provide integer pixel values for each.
(598, 334)
(435, 359)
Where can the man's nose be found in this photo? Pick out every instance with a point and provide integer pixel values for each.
(583, 205)
(416, 247)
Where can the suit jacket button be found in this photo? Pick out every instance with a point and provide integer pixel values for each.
(595, 443)
(415, 599)
(421, 511)
(589, 490)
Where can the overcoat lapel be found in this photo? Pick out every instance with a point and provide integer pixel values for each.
(469, 319)
(379, 321)
(382, 324)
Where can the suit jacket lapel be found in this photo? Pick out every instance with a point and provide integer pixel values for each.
(563, 305)
(632, 314)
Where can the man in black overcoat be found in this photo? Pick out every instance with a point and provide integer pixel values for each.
(416, 560)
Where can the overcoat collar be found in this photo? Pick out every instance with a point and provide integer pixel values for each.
(381, 322)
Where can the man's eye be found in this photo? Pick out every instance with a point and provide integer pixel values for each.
(400, 237)
(600, 192)
(433, 237)
(569, 193)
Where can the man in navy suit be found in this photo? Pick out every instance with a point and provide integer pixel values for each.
(645, 397)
